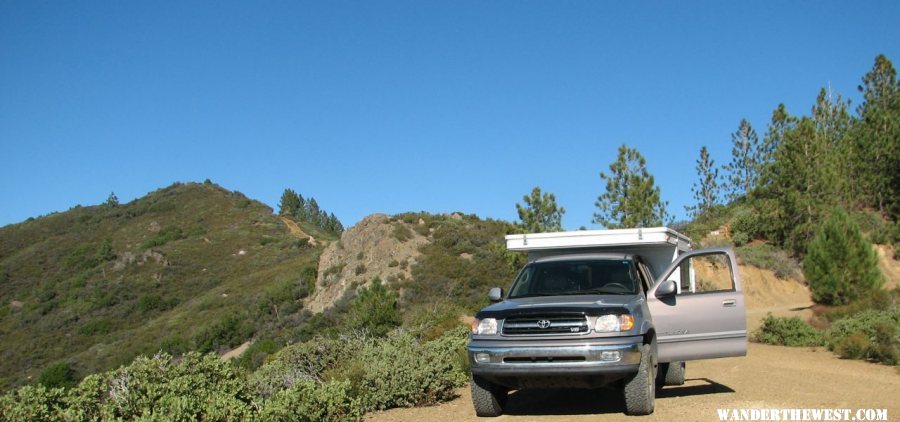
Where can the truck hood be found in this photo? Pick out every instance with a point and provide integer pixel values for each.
(586, 304)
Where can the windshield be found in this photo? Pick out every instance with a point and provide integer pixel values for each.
(582, 277)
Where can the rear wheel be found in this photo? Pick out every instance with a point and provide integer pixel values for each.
(640, 389)
(671, 373)
(489, 398)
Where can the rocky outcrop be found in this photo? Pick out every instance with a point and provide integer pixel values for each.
(375, 247)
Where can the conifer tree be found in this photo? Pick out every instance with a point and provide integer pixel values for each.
(632, 198)
(540, 212)
(743, 171)
(878, 138)
(290, 202)
(706, 189)
(840, 265)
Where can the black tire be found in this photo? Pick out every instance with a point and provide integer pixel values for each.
(640, 388)
(489, 399)
(671, 374)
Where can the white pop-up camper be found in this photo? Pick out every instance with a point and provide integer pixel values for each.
(658, 246)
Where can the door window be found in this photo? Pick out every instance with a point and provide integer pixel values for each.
(706, 273)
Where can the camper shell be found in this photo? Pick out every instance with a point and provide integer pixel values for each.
(650, 313)
(658, 246)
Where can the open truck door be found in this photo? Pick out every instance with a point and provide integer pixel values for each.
(698, 307)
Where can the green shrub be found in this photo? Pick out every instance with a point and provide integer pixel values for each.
(105, 252)
(322, 379)
(876, 229)
(174, 345)
(194, 388)
(308, 277)
(255, 355)
(311, 401)
(32, 403)
(165, 235)
(400, 371)
(840, 265)
(154, 302)
(59, 374)
(374, 310)
(877, 300)
(854, 346)
(867, 335)
(402, 232)
(740, 238)
(226, 333)
(80, 258)
(769, 257)
(747, 223)
(787, 332)
(97, 326)
(302, 362)
(887, 343)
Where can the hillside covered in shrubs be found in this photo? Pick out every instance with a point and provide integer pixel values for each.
(188, 267)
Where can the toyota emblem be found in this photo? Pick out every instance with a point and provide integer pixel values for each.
(543, 323)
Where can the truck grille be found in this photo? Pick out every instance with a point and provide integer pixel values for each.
(545, 324)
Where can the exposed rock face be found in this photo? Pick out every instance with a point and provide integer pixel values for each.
(375, 247)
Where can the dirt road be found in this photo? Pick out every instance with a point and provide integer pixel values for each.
(768, 377)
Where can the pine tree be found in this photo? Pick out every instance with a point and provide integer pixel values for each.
(290, 202)
(743, 171)
(840, 265)
(311, 211)
(833, 170)
(780, 123)
(112, 200)
(632, 198)
(540, 212)
(334, 225)
(793, 195)
(706, 189)
(878, 138)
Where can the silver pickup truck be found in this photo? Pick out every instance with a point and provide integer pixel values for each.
(586, 320)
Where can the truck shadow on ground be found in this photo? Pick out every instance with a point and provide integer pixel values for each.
(598, 401)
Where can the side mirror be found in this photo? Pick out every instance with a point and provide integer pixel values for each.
(495, 294)
(667, 288)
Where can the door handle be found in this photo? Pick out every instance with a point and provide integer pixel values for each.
(728, 302)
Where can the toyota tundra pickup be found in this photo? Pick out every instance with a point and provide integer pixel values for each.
(624, 308)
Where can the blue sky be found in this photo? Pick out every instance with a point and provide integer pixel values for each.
(402, 106)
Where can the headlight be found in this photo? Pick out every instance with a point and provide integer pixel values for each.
(487, 326)
(611, 323)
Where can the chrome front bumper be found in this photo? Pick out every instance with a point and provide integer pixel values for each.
(580, 357)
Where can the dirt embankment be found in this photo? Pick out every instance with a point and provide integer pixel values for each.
(768, 377)
(889, 266)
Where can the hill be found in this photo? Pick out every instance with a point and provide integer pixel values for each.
(188, 267)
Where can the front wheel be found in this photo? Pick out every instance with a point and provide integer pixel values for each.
(640, 389)
(489, 398)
